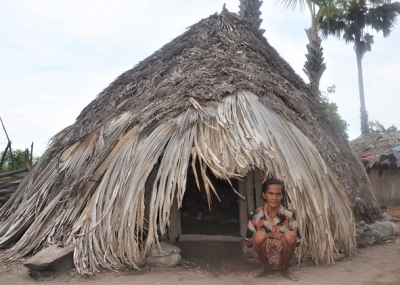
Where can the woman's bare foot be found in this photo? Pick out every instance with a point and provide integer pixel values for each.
(289, 275)
(257, 273)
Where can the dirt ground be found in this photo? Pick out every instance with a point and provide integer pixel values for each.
(223, 263)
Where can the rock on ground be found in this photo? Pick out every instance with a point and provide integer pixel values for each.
(163, 255)
(376, 233)
(52, 258)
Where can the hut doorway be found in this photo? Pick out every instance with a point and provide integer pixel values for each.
(225, 219)
(221, 218)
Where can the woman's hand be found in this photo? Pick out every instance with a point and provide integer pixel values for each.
(276, 235)
(276, 238)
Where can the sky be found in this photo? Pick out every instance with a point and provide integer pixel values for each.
(56, 56)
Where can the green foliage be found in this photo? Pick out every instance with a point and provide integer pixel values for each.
(331, 108)
(16, 162)
(375, 126)
(351, 18)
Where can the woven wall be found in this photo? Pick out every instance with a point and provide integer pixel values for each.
(387, 187)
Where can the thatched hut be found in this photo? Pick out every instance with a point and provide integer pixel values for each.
(216, 101)
(380, 154)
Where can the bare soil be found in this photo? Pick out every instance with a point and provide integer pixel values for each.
(205, 263)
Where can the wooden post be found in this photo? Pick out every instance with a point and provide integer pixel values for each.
(243, 213)
(250, 192)
(174, 230)
(31, 157)
(257, 187)
(26, 164)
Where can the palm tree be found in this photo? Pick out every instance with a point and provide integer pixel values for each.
(250, 10)
(349, 19)
(314, 67)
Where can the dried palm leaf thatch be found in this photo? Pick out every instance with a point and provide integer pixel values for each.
(107, 226)
(378, 149)
(218, 97)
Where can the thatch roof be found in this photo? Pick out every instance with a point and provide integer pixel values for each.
(378, 150)
(218, 96)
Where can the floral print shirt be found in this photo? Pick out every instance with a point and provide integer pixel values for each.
(284, 221)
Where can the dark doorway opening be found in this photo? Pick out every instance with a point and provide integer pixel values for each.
(221, 218)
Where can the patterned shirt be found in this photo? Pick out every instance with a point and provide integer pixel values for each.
(284, 221)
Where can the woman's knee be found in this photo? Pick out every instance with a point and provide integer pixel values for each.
(289, 237)
(260, 237)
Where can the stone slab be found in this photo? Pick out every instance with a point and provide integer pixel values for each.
(52, 258)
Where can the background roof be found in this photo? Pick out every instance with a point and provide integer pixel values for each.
(375, 147)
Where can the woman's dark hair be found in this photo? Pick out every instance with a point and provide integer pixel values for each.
(273, 181)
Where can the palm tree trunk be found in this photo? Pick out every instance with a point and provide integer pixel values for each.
(314, 67)
(363, 110)
(250, 10)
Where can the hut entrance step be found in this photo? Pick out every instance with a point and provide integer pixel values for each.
(196, 237)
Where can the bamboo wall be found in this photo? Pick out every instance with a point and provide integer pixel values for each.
(387, 187)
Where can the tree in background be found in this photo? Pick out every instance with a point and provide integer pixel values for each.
(332, 110)
(350, 19)
(314, 67)
(17, 161)
(375, 126)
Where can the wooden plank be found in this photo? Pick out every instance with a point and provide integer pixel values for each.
(250, 192)
(10, 184)
(6, 174)
(257, 187)
(11, 178)
(243, 213)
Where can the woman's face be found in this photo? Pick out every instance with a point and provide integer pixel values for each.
(273, 195)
